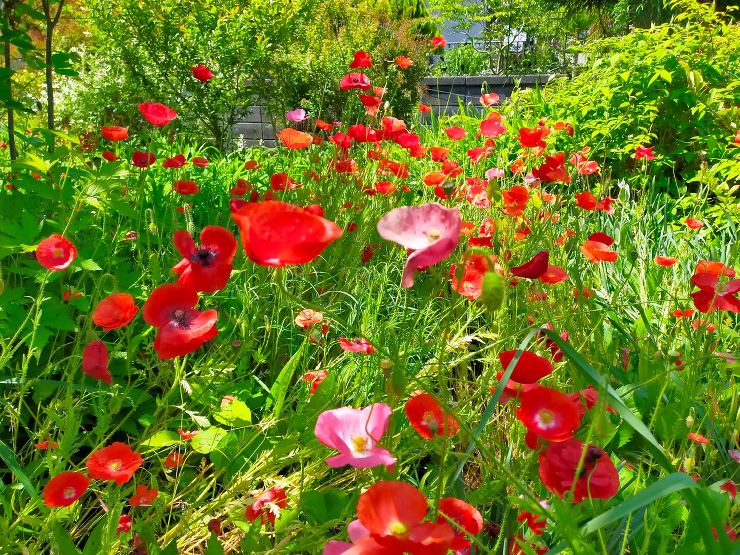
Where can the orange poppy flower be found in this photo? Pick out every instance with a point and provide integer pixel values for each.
(295, 140)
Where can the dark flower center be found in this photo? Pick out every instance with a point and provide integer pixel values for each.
(181, 319)
(203, 256)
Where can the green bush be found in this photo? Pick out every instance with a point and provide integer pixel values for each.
(675, 86)
(285, 53)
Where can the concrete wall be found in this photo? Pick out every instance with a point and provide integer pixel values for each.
(443, 94)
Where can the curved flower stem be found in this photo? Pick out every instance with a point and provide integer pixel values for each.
(493, 402)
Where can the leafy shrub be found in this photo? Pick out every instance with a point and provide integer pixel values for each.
(283, 53)
(675, 86)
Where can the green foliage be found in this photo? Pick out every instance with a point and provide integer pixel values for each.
(675, 86)
(285, 54)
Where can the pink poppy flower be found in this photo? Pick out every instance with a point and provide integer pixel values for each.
(355, 433)
(296, 116)
(357, 345)
(355, 81)
(430, 230)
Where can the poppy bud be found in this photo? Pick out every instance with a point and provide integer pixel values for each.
(398, 382)
(493, 190)
(493, 291)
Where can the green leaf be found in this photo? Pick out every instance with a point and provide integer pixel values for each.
(662, 488)
(279, 389)
(90, 265)
(236, 413)
(163, 438)
(63, 541)
(214, 546)
(206, 441)
(7, 455)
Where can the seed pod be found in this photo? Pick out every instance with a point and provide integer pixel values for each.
(493, 292)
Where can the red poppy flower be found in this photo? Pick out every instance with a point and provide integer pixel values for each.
(533, 269)
(665, 260)
(489, 99)
(438, 42)
(470, 283)
(492, 126)
(730, 487)
(549, 414)
(242, 187)
(424, 109)
(355, 81)
(185, 187)
(277, 234)
(143, 497)
(267, 506)
(65, 488)
(314, 379)
(124, 524)
(46, 444)
(428, 417)
(686, 313)
(596, 251)
(515, 200)
(601, 238)
(385, 187)
(109, 155)
(56, 253)
(200, 161)
(392, 512)
(363, 134)
(693, 223)
(95, 361)
(186, 436)
(533, 138)
(324, 125)
(294, 140)
(433, 179)
(586, 200)
(408, 140)
(438, 153)
(182, 328)
(251, 165)
(713, 268)
(552, 169)
(206, 267)
(357, 345)
(553, 274)
(174, 459)
(115, 311)
(467, 520)
(157, 114)
(361, 59)
(202, 73)
(282, 181)
(536, 523)
(645, 152)
(142, 159)
(394, 168)
(177, 161)
(455, 133)
(512, 389)
(715, 295)
(114, 133)
(404, 62)
(530, 368)
(698, 438)
(598, 478)
(117, 463)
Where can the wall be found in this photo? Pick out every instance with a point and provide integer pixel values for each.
(443, 94)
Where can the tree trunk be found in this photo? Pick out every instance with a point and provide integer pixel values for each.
(49, 77)
(51, 23)
(11, 113)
